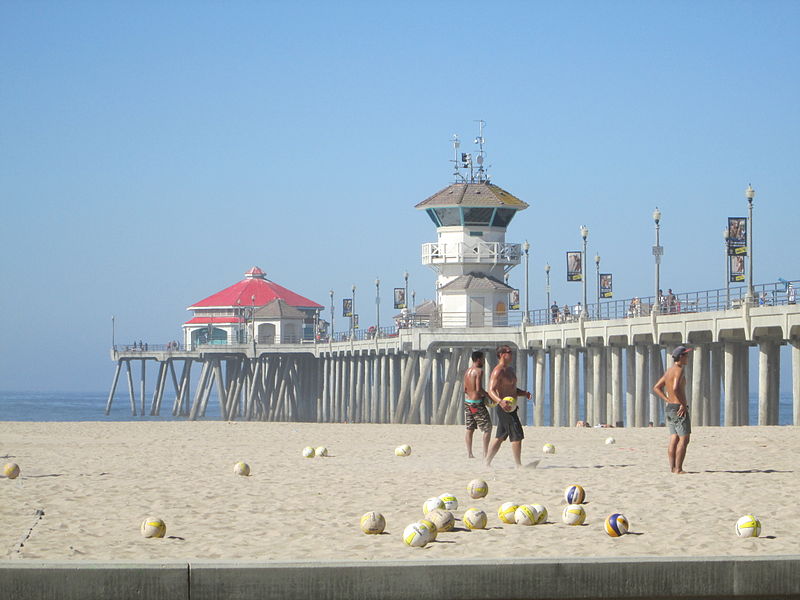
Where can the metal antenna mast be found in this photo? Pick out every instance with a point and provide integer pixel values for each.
(481, 176)
(456, 162)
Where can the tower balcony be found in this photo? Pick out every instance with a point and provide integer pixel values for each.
(481, 253)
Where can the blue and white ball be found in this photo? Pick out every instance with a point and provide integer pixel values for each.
(574, 494)
(616, 525)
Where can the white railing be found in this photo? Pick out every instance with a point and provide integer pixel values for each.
(488, 253)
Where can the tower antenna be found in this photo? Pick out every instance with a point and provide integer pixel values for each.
(481, 175)
(457, 176)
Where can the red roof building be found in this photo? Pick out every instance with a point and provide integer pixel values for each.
(231, 315)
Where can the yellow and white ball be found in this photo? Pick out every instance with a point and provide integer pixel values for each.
(321, 451)
(442, 519)
(431, 527)
(526, 514)
(416, 535)
(541, 513)
(748, 526)
(241, 468)
(477, 488)
(153, 528)
(373, 523)
(404, 450)
(450, 501)
(474, 518)
(610, 440)
(510, 400)
(431, 504)
(506, 512)
(308, 452)
(11, 470)
(549, 448)
(573, 514)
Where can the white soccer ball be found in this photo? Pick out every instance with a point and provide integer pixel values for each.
(153, 528)
(431, 504)
(506, 512)
(477, 488)
(321, 451)
(241, 468)
(308, 452)
(450, 501)
(11, 470)
(373, 523)
(442, 519)
(474, 518)
(548, 448)
(416, 535)
(404, 450)
(610, 440)
(748, 526)
(541, 513)
(526, 514)
(573, 514)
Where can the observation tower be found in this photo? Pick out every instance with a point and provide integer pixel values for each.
(471, 256)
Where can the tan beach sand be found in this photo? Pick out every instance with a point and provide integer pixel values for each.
(96, 482)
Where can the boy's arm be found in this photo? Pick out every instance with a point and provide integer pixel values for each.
(658, 388)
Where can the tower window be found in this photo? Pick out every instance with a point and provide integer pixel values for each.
(503, 217)
(477, 216)
(449, 216)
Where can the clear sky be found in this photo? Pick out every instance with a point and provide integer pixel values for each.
(151, 153)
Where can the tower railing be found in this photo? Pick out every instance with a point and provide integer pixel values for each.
(487, 253)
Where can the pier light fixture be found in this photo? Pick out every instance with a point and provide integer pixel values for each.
(253, 322)
(585, 236)
(353, 314)
(726, 235)
(330, 334)
(526, 317)
(597, 278)
(750, 193)
(547, 285)
(658, 251)
(377, 307)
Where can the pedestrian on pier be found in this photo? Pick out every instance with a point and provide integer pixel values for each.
(554, 312)
(502, 384)
(671, 388)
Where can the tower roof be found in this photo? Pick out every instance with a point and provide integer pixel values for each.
(254, 290)
(475, 282)
(482, 194)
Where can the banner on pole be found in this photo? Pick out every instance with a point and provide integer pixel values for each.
(737, 236)
(606, 287)
(514, 302)
(347, 307)
(399, 297)
(737, 268)
(574, 266)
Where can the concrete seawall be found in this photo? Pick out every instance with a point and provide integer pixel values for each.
(606, 578)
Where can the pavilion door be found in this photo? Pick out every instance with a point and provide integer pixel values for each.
(477, 310)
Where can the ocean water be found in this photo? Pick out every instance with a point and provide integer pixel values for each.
(90, 406)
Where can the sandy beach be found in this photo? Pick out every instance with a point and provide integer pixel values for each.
(96, 482)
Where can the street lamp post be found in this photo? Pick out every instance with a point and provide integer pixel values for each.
(597, 278)
(547, 284)
(657, 252)
(253, 321)
(377, 307)
(726, 234)
(750, 193)
(353, 314)
(330, 334)
(584, 235)
(526, 247)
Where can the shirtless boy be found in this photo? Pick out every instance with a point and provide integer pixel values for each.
(503, 383)
(475, 412)
(672, 389)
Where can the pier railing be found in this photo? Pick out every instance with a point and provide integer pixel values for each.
(767, 294)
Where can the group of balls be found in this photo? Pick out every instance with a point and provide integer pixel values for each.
(311, 452)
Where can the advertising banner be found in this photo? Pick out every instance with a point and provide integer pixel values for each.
(737, 236)
(347, 307)
(606, 288)
(399, 297)
(574, 266)
(514, 302)
(737, 268)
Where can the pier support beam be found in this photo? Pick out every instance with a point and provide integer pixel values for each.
(538, 412)
(573, 395)
(795, 382)
(615, 415)
(557, 356)
(630, 386)
(731, 409)
(642, 389)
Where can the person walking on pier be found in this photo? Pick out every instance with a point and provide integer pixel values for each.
(502, 384)
(476, 415)
(676, 412)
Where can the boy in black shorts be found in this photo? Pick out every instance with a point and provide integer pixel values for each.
(502, 384)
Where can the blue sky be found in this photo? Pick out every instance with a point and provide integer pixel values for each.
(151, 152)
